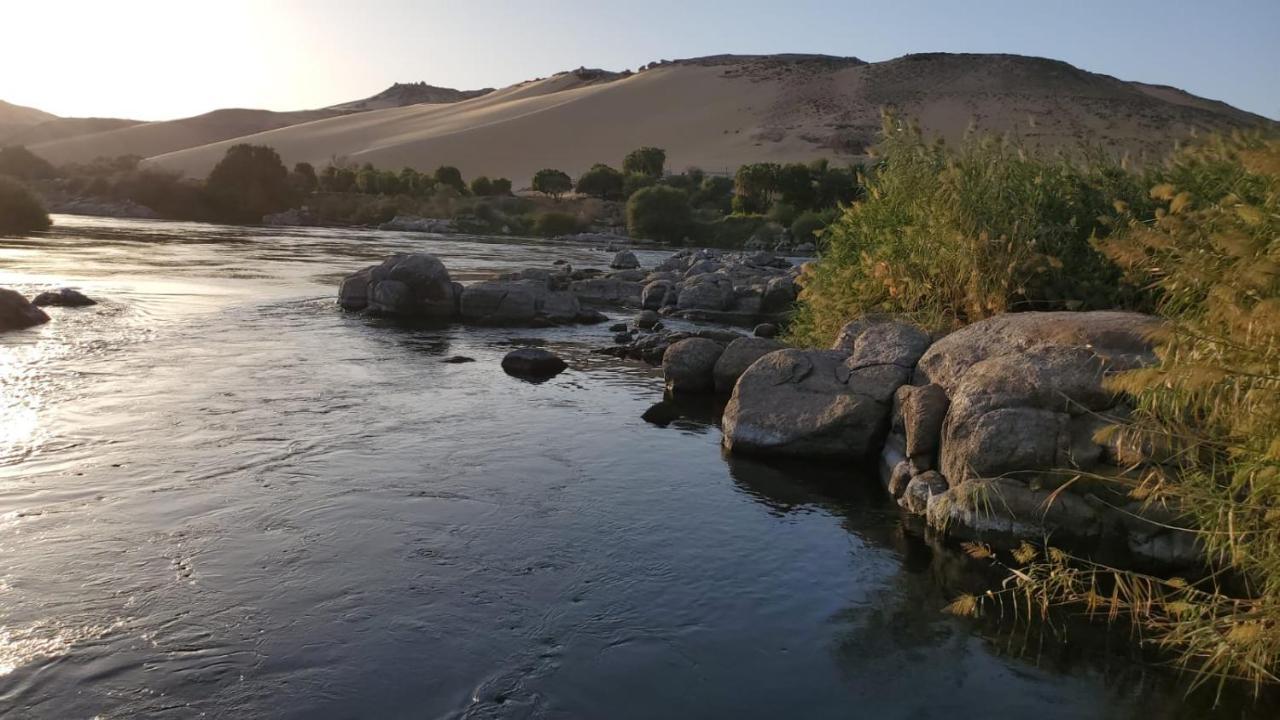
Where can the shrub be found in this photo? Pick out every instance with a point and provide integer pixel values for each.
(450, 176)
(555, 223)
(660, 213)
(635, 182)
(948, 237)
(794, 183)
(715, 193)
(549, 181)
(806, 224)
(783, 213)
(19, 162)
(501, 187)
(249, 182)
(600, 181)
(1212, 404)
(482, 186)
(20, 210)
(645, 161)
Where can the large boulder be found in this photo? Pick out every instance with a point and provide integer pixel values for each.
(737, 357)
(607, 291)
(658, 294)
(823, 403)
(1026, 391)
(16, 313)
(688, 366)
(413, 285)
(501, 302)
(708, 291)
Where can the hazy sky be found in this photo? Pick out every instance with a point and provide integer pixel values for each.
(173, 58)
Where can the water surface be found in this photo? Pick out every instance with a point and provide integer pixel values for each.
(220, 496)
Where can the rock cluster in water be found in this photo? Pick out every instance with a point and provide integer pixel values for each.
(18, 313)
(701, 285)
(978, 430)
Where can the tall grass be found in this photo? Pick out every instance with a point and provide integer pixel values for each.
(949, 235)
(1211, 255)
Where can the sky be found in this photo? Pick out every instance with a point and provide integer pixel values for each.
(163, 59)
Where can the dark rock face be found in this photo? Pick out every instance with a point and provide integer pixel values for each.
(765, 330)
(16, 313)
(410, 286)
(458, 360)
(63, 297)
(533, 363)
(688, 366)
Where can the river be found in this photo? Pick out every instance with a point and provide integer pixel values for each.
(221, 496)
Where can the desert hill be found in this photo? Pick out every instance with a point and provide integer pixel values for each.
(719, 112)
(58, 141)
(15, 118)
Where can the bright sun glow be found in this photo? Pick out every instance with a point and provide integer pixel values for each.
(146, 59)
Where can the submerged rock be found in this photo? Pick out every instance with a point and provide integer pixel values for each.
(63, 297)
(16, 313)
(534, 363)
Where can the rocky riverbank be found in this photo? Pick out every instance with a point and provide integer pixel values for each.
(993, 431)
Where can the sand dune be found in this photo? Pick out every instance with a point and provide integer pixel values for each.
(15, 118)
(717, 113)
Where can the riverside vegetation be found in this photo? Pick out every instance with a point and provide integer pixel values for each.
(949, 236)
(763, 203)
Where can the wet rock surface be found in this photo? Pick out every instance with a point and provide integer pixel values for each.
(17, 313)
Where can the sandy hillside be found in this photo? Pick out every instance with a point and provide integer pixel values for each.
(64, 141)
(15, 118)
(717, 113)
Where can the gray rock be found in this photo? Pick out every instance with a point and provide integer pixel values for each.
(353, 294)
(920, 490)
(532, 363)
(413, 223)
(63, 297)
(647, 319)
(810, 403)
(414, 285)
(657, 294)
(688, 366)
(924, 408)
(712, 291)
(779, 295)
(737, 357)
(624, 260)
(765, 330)
(607, 291)
(16, 313)
(500, 302)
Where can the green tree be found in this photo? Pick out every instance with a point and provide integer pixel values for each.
(450, 176)
(549, 181)
(17, 161)
(646, 161)
(660, 213)
(303, 178)
(634, 182)
(249, 182)
(754, 187)
(794, 184)
(482, 186)
(600, 181)
(20, 209)
(715, 192)
(367, 180)
(501, 187)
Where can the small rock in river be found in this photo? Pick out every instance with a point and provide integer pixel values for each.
(532, 363)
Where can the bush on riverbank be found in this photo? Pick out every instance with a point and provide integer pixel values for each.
(947, 236)
(20, 210)
(1212, 407)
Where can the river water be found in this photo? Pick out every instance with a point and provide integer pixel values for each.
(221, 496)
